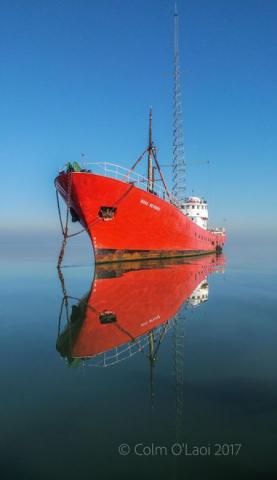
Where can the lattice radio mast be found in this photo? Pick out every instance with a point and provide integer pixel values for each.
(179, 164)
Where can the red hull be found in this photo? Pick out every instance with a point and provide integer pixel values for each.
(141, 299)
(143, 225)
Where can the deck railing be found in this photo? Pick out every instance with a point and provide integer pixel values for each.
(218, 231)
(126, 175)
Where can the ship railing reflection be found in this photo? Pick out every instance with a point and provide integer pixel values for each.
(137, 345)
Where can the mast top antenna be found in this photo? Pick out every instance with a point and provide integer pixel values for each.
(179, 165)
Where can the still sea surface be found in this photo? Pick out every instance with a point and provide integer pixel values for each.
(164, 370)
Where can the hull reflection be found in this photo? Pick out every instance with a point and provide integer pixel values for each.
(130, 307)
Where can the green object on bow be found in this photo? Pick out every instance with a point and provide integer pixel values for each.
(72, 167)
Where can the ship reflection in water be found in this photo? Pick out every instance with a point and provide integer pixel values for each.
(130, 307)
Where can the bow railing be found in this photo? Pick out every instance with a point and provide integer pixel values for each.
(129, 176)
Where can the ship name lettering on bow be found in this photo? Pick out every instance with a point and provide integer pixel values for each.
(151, 320)
(150, 205)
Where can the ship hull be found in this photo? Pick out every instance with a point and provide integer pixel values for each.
(127, 223)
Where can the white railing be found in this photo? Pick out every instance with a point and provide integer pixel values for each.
(126, 175)
(218, 230)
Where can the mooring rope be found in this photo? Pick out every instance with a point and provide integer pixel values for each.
(59, 211)
(64, 228)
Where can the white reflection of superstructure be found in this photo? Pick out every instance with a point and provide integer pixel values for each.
(200, 294)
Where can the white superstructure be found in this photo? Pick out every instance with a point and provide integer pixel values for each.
(196, 209)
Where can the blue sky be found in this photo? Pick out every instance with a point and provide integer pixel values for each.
(79, 77)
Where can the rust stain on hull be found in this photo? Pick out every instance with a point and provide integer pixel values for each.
(110, 256)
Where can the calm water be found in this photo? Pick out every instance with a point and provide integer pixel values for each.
(203, 380)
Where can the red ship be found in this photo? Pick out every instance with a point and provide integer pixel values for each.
(131, 217)
(128, 216)
(125, 304)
